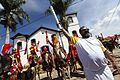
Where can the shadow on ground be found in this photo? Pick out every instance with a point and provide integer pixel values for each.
(116, 72)
(73, 74)
(48, 78)
(76, 74)
(59, 78)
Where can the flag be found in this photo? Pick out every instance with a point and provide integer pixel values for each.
(25, 49)
(73, 50)
(37, 46)
(46, 37)
(6, 48)
(18, 54)
(18, 49)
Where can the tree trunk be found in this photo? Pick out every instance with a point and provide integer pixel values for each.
(7, 39)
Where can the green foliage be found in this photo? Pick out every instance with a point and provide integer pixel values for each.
(12, 13)
(60, 7)
(5, 61)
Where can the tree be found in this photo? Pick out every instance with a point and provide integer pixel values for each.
(11, 15)
(60, 7)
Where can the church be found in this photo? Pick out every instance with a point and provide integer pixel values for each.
(39, 36)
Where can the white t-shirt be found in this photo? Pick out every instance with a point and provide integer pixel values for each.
(90, 53)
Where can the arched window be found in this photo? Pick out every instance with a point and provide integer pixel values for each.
(19, 44)
(42, 32)
(33, 41)
(70, 20)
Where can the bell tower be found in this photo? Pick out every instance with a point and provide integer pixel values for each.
(73, 23)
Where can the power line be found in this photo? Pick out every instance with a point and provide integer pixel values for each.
(114, 12)
(3, 35)
(74, 3)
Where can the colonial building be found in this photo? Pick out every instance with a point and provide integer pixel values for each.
(73, 23)
(24, 41)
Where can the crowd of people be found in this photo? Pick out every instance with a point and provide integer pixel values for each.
(88, 51)
(59, 59)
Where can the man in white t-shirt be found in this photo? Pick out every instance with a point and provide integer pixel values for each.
(93, 55)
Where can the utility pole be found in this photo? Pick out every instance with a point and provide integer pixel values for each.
(51, 7)
(55, 16)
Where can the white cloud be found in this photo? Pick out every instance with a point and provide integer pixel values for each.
(96, 14)
(108, 25)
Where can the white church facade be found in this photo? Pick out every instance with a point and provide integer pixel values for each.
(39, 35)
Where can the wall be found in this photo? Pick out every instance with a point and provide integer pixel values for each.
(74, 25)
(23, 57)
(41, 37)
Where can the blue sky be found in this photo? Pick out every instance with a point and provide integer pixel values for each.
(95, 14)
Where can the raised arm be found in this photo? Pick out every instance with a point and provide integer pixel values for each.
(65, 33)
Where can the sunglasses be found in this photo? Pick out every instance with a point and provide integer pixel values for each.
(85, 29)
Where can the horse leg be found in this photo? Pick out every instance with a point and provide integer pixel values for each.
(38, 71)
(50, 74)
(63, 73)
(34, 73)
(58, 71)
(57, 68)
(47, 74)
(75, 67)
(68, 72)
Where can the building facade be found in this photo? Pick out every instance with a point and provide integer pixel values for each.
(24, 41)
